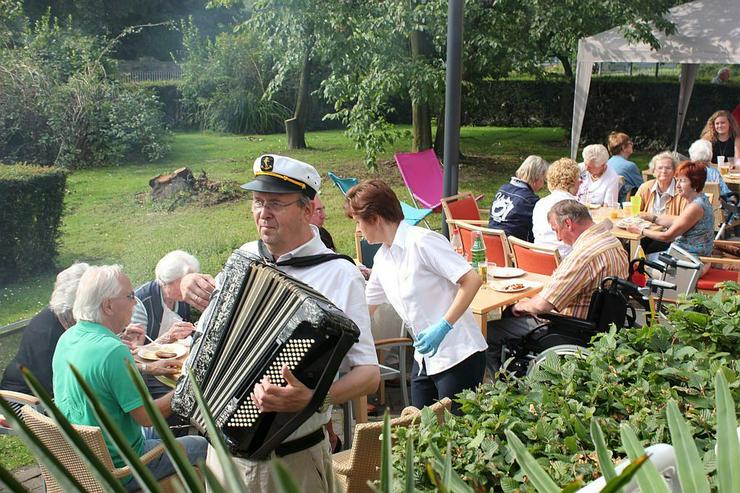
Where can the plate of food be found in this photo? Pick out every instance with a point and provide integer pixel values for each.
(632, 220)
(514, 286)
(153, 352)
(507, 272)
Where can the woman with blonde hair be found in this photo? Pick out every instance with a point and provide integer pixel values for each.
(512, 206)
(724, 133)
(563, 180)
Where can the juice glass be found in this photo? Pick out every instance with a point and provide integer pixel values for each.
(635, 203)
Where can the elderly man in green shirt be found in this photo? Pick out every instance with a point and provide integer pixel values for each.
(103, 306)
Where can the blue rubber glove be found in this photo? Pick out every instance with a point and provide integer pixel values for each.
(429, 339)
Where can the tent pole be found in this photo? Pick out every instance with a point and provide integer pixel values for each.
(688, 77)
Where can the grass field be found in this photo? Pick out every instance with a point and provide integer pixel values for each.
(106, 221)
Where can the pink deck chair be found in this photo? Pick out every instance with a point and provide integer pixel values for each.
(423, 177)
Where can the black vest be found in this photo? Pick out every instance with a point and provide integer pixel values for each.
(150, 295)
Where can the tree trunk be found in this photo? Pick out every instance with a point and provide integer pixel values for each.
(296, 127)
(439, 136)
(421, 118)
(567, 67)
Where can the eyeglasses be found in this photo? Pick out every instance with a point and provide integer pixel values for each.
(273, 205)
(130, 296)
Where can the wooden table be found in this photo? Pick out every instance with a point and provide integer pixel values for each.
(487, 299)
(633, 239)
(732, 179)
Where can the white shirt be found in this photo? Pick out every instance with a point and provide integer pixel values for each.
(661, 199)
(603, 190)
(343, 285)
(418, 275)
(543, 233)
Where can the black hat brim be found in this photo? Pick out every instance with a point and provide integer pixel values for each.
(272, 184)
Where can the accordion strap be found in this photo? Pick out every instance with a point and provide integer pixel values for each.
(293, 446)
(306, 261)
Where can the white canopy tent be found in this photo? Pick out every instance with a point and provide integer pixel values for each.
(707, 31)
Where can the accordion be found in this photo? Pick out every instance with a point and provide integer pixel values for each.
(261, 320)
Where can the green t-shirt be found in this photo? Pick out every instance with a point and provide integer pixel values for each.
(100, 356)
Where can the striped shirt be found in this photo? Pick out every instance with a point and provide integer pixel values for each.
(596, 254)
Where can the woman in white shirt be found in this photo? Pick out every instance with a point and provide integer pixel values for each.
(563, 178)
(599, 183)
(430, 287)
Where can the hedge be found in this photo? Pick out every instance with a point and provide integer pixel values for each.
(31, 205)
(645, 108)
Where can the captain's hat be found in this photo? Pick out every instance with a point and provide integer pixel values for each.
(281, 174)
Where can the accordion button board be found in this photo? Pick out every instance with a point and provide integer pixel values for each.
(261, 320)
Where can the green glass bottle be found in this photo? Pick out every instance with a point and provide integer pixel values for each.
(479, 255)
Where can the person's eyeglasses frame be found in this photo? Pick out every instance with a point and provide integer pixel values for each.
(272, 205)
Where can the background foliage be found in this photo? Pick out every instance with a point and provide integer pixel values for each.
(31, 204)
(58, 104)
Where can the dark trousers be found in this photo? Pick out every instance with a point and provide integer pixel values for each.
(467, 374)
(508, 329)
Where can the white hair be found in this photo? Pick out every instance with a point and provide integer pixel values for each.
(97, 284)
(65, 288)
(595, 152)
(665, 155)
(701, 150)
(174, 265)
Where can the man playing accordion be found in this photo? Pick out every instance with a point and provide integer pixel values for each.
(282, 206)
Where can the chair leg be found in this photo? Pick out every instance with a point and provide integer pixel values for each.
(347, 424)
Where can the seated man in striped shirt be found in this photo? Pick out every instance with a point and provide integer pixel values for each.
(596, 254)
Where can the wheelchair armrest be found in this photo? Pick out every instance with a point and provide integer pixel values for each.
(558, 321)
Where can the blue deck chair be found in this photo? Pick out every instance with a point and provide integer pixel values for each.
(411, 214)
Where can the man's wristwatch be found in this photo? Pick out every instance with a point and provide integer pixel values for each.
(143, 367)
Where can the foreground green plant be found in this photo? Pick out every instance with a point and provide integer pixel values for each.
(691, 476)
(186, 472)
(628, 377)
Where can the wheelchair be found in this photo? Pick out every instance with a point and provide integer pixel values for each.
(615, 301)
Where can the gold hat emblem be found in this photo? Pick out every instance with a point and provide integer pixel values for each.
(267, 163)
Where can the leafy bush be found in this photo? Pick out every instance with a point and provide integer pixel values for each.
(31, 203)
(643, 107)
(628, 377)
(58, 106)
(224, 84)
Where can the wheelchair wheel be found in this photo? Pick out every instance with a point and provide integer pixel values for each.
(560, 350)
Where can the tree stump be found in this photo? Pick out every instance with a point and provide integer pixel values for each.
(296, 135)
(165, 186)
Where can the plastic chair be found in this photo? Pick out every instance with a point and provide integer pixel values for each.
(709, 282)
(343, 184)
(463, 207)
(360, 464)
(48, 433)
(423, 177)
(411, 215)
(533, 258)
(497, 245)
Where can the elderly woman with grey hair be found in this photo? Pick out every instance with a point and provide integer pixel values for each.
(514, 202)
(599, 183)
(42, 333)
(160, 307)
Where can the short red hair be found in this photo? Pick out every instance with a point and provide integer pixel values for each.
(695, 171)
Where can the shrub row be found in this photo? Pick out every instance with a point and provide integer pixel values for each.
(31, 204)
(645, 108)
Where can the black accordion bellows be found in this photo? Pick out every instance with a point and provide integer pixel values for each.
(261, 319)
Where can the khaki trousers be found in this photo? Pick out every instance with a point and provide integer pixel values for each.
(311, 469)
